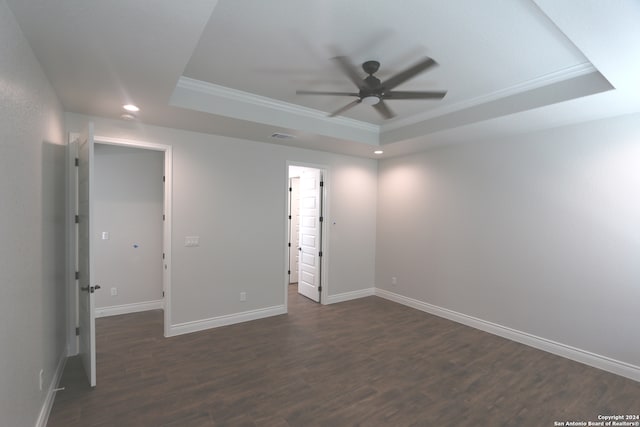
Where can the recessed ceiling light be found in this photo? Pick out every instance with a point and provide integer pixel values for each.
(279, 135)
(131, 107)
(378, 152)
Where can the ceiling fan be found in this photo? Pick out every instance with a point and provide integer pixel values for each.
(374, 92)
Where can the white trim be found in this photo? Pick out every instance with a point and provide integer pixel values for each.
(227, 93)
(588, 358)
(228, 319)
(45, 411)
(107, 140)
(167, 226)
(135, 307)
(346, 296)
(72, 262)
(326, 178)
(563, 74)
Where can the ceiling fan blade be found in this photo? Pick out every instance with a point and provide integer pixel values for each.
(345, 108)
(409, 73)
(384, 110)
(313, 92)
(415, 95)
(351, 71)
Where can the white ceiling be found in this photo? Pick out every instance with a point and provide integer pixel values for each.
(232, 67)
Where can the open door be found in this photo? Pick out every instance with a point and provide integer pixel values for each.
(310, 249)
(294, 228)
(86, 289)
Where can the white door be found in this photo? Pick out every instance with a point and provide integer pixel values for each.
(310, 234)
(86, 300)
(294, 233)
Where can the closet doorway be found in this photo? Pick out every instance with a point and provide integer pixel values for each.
(128, 223)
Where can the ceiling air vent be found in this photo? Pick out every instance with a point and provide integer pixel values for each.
(278, 135)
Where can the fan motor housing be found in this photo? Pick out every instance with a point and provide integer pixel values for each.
(370, 67)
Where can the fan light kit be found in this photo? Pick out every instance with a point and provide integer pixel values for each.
(371, 91)
(370, 100)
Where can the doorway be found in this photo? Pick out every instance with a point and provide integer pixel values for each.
(83, 238)
(166, 178)
(129, 205)
(306, 235)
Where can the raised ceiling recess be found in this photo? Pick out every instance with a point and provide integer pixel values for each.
(232, 67)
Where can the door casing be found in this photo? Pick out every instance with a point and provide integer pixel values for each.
(326, 173)
(72, 296)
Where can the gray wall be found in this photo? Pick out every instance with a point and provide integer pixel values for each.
(128, 205)
(32, 224)
(232, 193)
(539, 233)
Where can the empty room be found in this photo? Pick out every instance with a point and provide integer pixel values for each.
(331, 213)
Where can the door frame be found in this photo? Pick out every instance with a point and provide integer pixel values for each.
(72, 318)
(324, 265)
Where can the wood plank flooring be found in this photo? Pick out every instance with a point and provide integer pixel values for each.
(367, 362)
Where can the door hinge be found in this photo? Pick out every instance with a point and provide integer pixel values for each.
(319, 289)
(321, 218)
(162, 294)
(77, 275)
(163, 217)
(163, 178)
(321, 183)
(320, 253)
(289, 216)
(290, 189)
(77, 219)
(77, 161)
(77, 331)
(289, 272)
(289, 244)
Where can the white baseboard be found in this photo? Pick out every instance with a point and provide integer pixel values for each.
(346, 296)
(229, 319)
(588, 358)
(43, 417)
(135, 307)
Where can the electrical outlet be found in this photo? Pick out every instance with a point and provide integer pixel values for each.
(41, 379)
(114, 292)
(243, 296)
(394, 281)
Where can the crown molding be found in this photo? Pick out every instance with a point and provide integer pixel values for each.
(563, 74)
(224, 92)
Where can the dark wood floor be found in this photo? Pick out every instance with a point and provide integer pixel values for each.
(367, 362)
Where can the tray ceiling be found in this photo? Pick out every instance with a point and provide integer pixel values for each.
(231, 67)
